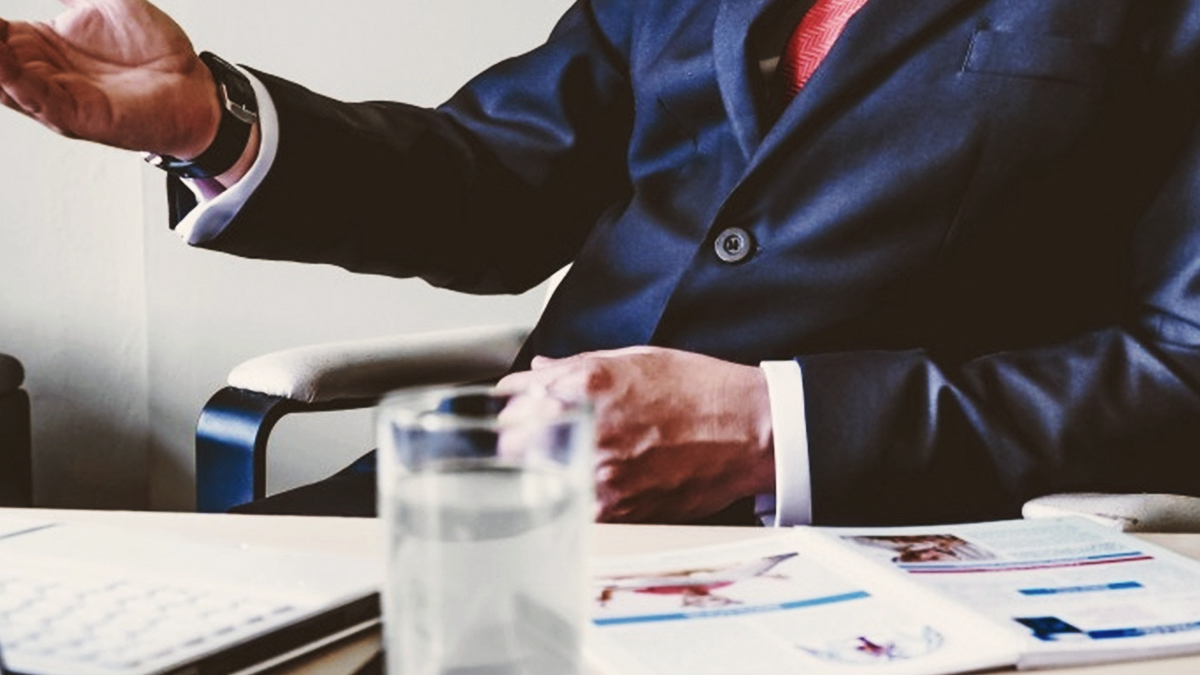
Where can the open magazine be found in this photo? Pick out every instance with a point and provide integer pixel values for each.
(892, 601)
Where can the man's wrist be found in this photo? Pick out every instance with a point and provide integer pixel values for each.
(219, 205)
(756, 397)
(209, 118)
(238, 115)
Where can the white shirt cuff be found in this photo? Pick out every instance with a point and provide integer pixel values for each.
(215, 212)
(792, 502)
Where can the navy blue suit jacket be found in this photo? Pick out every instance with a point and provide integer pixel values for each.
(977, 228)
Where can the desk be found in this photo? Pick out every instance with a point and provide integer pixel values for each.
(362, 536)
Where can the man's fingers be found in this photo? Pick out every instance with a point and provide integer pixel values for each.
(33, 43)
(7, 102)
(516, 382)
(566, 380)
(543, 371)
(10, 68)
(39, 45)
(10, 104)
(34, 94)
(29, 87)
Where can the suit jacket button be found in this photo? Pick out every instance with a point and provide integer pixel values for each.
(733, 245)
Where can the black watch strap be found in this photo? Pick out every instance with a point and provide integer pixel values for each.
(239, 111)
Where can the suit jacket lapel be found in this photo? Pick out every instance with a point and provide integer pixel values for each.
(875, 39)
(736, 68)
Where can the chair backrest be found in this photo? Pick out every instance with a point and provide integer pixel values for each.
(16, 461)
(11, 374)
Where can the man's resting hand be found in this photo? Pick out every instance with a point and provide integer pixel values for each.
(119, 72)
(680, 436)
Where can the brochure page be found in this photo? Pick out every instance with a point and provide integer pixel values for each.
(1078, 592)
(770, 607)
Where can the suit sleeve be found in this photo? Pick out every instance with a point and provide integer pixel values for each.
(909, 437)
(489, 193)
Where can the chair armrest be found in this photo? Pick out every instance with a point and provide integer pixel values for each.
(366, 369)
(1136, 512)
(235, 424)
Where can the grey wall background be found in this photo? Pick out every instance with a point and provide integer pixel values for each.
(125, 331)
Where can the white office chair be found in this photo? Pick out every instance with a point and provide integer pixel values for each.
(232, 432)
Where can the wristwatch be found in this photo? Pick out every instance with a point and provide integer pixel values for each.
(239, 111)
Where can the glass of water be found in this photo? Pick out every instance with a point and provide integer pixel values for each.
(487, 500)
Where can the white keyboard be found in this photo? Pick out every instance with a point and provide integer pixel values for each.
(104, 624)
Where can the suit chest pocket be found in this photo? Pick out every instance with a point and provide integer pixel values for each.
(1041, 57)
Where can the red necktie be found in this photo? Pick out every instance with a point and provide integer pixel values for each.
(813, 39)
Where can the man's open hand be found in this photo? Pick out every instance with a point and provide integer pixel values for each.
(119, 72)
(680, 436)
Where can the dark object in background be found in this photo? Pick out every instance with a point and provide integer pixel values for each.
(16, 479)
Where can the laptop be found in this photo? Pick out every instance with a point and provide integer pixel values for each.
(85, 599)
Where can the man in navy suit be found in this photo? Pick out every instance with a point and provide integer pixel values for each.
(960, 269)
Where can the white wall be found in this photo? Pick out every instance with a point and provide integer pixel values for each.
(72, 309)
(72, 306)
(126, 332)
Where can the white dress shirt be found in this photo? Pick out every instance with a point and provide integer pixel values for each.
(791, 504)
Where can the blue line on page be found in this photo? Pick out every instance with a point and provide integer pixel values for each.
(1116, 586)
(732, 611)
(1111, 633)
